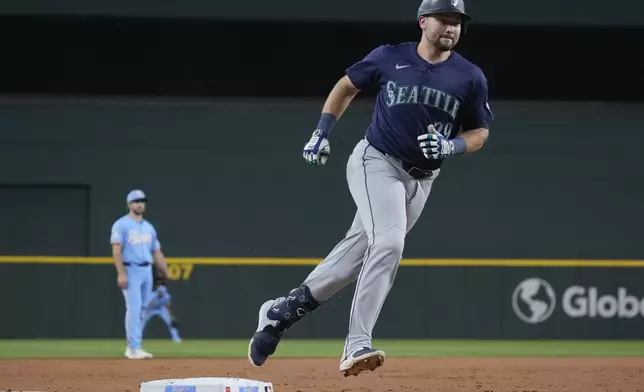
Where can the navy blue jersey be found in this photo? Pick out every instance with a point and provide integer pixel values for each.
(413, 94)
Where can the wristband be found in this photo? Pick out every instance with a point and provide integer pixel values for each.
(326, 123)
(460, 145)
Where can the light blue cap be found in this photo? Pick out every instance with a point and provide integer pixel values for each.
(136, 194)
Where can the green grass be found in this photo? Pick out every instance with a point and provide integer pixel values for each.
(109, 348)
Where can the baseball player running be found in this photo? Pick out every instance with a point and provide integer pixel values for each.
(432, 105)
(135, 246)
(159, 305)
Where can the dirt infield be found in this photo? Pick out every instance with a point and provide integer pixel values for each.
(304, 375)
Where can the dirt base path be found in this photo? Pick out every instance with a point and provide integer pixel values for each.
(321, 375)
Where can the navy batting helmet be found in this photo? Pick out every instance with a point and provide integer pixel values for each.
(430, 7)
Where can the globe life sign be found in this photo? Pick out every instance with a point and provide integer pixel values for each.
(534, 300)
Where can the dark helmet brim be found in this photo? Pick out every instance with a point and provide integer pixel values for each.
(465, 17)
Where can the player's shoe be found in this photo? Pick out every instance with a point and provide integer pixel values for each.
(137, 353)
(265, 340)
(275, 318)
(361, 360)
(144, 354)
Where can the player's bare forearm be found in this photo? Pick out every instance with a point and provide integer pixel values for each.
(475, 139)
(159, 262)
(340, 97)
(118, 259)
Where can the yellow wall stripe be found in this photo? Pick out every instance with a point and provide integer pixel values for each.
(312, 262)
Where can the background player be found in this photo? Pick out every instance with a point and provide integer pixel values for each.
(135, 246)
(159, 305)
(432, 105)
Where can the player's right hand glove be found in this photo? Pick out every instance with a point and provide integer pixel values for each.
(317, 150)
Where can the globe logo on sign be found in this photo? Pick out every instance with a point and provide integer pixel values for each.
(534, 300)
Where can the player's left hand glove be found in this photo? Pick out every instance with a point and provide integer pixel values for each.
(317, 150)
(435, 145)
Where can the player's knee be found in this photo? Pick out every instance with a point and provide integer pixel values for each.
(391, 245)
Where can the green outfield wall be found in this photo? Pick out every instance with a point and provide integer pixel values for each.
(66, 166)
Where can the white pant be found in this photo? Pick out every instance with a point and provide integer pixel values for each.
(389, 202)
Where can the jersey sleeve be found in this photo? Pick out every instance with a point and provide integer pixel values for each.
(117, 235)
(477, 110)
(366, 72)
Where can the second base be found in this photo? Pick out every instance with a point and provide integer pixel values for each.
(206, 384)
